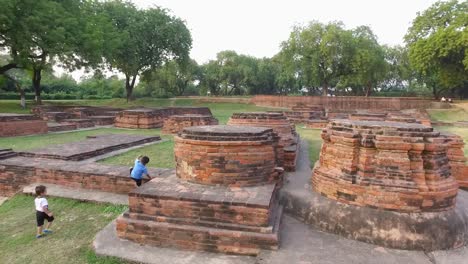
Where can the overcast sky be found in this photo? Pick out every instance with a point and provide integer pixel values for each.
(257, 27)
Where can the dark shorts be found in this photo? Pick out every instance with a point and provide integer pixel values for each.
(41, 216)
(137, 181)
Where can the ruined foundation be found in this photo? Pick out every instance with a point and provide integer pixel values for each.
(21, 125)
(457, 160)
(223, 197)
(154, 117)
(387, 165)
(176, 123)
(280, 125)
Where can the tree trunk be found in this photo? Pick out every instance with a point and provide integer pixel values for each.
(22, 96)
(368, 89)
(36, 83)
(325, 89)
(129, 84)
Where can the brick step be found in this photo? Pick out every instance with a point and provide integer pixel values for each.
(80, 123)
(102, 120)
(58, 127)
(189, 237)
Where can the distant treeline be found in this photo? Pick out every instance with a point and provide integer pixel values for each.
(150, 48)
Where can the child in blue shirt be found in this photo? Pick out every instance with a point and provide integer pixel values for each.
(139, 169)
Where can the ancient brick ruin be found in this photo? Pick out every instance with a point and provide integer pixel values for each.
(176, 123)
(61, 165)
(154, 117)
(223, 197)
(279, 123)
(393, 166)
(21, 125)
(457, 159)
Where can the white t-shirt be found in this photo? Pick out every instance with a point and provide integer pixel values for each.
(40, 203)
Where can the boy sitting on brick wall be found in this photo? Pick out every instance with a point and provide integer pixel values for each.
(136, 173)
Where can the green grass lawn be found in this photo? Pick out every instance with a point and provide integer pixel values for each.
(448, 115)
(74, 229)
(461, 131)
(313, 138)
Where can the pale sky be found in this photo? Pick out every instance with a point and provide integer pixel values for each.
(257, 27)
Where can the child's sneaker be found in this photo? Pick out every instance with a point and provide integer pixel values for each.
(47, 231)
(39, 236)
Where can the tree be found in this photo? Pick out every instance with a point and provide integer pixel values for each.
(147, 39)
(437, 42)
(173, 77)
(367, 63)
(319, 54)
(39, 33)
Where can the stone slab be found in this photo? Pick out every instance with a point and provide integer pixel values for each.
(92, 146)
(80, 194)
(171, 186)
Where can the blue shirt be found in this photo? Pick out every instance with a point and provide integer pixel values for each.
(138, 170)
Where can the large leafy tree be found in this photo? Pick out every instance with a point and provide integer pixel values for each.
(38, 34)
(146, 40)
(367, 65)
(173, 78)
(437, 42)
(318, 54)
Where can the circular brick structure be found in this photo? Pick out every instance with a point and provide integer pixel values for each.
(227, 155)
(176, 123)
(394, 166)
(281, 125)
(274, 120)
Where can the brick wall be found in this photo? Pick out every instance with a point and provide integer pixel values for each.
(343, 102)
(22, 128)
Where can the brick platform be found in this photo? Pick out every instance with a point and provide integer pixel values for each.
(21, 125)
(79, 123)
(304, 114)
(91, 147)
(176, 123)
(196, 209)
(457, 159)
(59, 127)
(103, 120)
(388, 165)
(154, 117)
(280, 125)
(21, 171)
(368, 116)
(317, 124)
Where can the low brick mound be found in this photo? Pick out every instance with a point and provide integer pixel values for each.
(21, 125)
(154, 117)
(392, 166)
(280, 125)
(91, 147)
(18, 172)
(103, 120)
(60, 127)
(316, 124)
(56, 116)
(461, 124)
(176, 123)
(304, 114)
(368, 116)
(339, 113)
(80, 123)
(457, 159)
(198, 208)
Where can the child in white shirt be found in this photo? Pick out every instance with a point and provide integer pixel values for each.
(42, 211)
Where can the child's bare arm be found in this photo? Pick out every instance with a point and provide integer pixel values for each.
(46, 210)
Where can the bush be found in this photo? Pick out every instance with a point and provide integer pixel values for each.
(96, 97)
